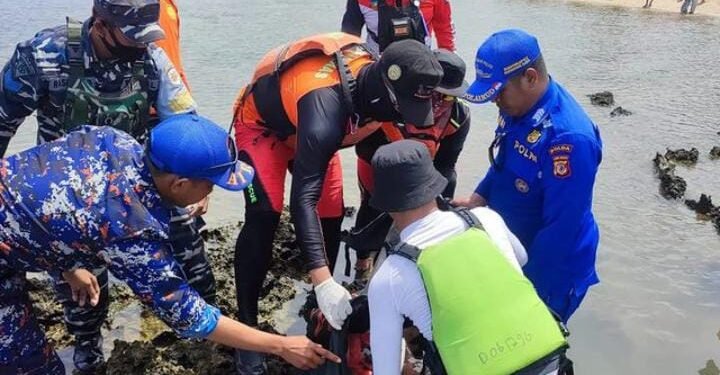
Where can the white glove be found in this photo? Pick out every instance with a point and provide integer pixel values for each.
(334, 302)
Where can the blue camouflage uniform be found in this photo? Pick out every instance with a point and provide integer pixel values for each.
(85, 201)
(541, 183)
(35, 80)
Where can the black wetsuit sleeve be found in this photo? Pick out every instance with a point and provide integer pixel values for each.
(451, 146)
(321, 121)
(353, 20)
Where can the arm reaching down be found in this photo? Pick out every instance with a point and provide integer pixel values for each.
(149, 271)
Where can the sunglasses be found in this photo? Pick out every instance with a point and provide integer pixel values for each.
(423, 92)
(141, 15)
(207, 172)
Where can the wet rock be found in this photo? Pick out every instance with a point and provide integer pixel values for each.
(710, 369)
(671, 186)
(706, 210)
(49, 311)
(602, 99)
(168, 355)
(162, 352)
(703, 206)
(715, 153)
(620, 111)
(165, 354)
(682, 156)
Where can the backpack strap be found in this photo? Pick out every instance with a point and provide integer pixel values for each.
(348, 83)
(74, 49)
(412, 253)
(468, 217)
(406, 250)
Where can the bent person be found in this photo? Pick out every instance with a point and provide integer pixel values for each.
(106, 70)
(456, 274)
(97, 198)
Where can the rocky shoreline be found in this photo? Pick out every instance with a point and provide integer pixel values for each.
(160, 352)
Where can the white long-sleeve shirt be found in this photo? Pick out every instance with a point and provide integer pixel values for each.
(397, 291)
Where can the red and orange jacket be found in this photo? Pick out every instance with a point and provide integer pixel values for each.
(436, 13)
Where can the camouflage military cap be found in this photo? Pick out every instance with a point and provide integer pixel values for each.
(138, 19)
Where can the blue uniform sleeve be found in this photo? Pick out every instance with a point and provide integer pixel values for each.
(20, 92)
(483, 188)
(173, 96)
(568, 176)
(155, 278)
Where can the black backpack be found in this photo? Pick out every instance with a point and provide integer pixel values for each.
(398, 22)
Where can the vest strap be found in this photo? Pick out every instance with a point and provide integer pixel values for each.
(74, 49)
(412, 253)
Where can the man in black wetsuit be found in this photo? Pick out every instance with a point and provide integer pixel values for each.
(306, 101)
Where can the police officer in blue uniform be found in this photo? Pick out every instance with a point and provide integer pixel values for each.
(104, 71)
(544, 159)
(98, 198)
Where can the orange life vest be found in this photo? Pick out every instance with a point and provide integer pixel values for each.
(170, 23)
(285, 74)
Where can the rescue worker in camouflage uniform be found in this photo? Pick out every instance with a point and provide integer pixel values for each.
(104, 71)
(97, 198)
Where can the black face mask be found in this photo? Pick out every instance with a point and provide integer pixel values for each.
(376, 103)
(121, 52)
(382, 109)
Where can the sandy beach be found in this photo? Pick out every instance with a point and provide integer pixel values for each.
(709, 8)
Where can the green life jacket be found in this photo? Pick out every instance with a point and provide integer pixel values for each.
(486, 316)
(127, 110)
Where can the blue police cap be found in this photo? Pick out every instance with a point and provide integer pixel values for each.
(502, 56)
(191, 146)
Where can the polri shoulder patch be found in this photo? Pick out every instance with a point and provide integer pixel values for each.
(561, 166)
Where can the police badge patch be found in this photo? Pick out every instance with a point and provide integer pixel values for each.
(534, 136)
(521, 186)
(561, 166)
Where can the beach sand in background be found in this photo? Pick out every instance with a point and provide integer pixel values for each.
(709, 8)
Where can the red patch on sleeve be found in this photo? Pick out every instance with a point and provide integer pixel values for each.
(561, 166)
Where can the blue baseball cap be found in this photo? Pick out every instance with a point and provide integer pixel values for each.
(192, 146)
(502, 56)
(137, 19)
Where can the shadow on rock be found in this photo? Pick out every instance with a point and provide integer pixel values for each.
(671, 186)
(602, 99)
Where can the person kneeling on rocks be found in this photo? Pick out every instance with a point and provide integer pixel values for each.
(98, 198)
(457, 275)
